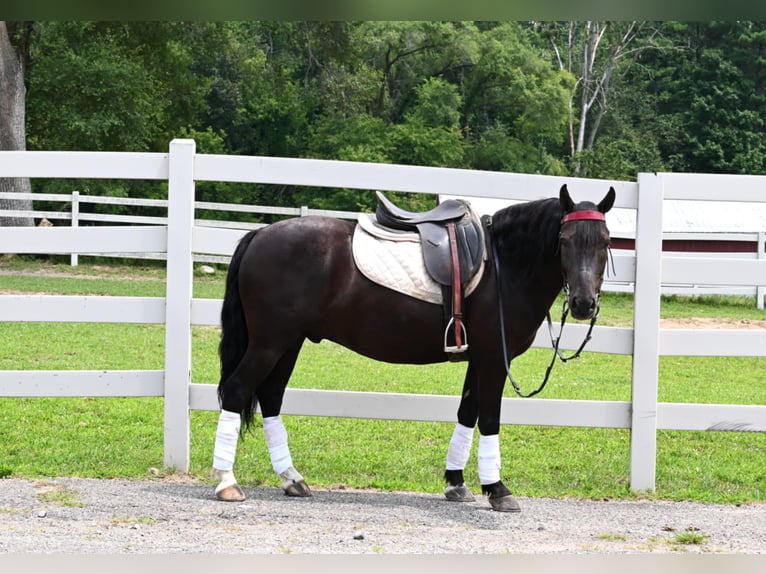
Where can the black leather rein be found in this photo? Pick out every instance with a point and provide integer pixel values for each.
(555, 341)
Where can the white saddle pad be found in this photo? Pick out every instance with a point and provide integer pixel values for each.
(395, 260)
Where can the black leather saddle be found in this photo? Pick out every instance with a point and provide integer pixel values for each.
(432, 227)
(452, 239)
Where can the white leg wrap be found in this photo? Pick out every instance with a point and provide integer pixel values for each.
(489, 459)
(459, 447)
(226, 437)
(276, 441)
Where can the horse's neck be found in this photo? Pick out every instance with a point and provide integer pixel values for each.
(530, 264)
(543, 284)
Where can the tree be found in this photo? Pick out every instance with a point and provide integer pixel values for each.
(403, 54)
(111, 86)
(598, 55)
(14, 43)
(709, 98)
(514, 110)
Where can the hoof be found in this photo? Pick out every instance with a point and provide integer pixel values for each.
(227, 490)
(231, 493)
(293, 483)
(299, 488)
(459, 493)
(505, 503)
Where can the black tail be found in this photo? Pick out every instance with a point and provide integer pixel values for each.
(234, 337)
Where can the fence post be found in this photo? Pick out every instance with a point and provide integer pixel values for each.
(180, 266)
(646, 333)
(74, 258)
(760, 290)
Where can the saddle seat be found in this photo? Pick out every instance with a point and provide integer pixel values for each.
(394, 217)
(452, 240)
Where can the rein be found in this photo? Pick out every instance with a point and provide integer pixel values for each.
(574, 216)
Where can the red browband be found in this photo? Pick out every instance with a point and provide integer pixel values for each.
(585, 214)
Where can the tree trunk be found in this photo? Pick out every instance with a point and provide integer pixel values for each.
(12, 129)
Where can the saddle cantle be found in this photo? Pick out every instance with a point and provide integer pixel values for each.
(452, 240)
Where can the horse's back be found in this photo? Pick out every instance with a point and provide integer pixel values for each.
(299, 274)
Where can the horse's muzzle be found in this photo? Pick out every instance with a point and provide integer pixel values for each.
(583, 307)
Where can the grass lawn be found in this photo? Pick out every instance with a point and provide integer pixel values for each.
(123, 437)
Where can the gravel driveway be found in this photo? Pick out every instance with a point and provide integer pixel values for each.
(176, 515)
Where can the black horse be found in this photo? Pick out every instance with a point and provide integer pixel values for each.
(297, 279)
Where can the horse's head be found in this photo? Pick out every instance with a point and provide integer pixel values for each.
(584, 251)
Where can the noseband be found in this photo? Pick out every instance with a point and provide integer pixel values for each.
(583, 215)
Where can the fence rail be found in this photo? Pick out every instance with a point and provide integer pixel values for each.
(180, 237)
(75, 216)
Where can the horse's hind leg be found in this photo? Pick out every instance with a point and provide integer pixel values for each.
(270, 399)
(226, 436)
(238, 399)
(460, 444)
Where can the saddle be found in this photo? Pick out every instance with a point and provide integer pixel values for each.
(452, 239)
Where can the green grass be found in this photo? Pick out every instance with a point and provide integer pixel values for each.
(102, 437)
(58, 495)
(689, 537)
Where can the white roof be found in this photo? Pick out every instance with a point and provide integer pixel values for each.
(678, 216)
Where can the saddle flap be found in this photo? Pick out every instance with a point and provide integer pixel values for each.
(436, 249)
(436, 252)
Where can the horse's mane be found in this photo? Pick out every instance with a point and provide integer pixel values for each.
(526, 234)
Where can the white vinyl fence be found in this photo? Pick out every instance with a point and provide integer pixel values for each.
(74, 216)
(180, 239)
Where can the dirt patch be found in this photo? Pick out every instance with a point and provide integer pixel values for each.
(711, 323)
(97, 272)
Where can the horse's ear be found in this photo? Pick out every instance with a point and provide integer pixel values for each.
(608, 201)
(566, 201)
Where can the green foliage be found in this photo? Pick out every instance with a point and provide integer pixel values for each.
(620, 158)
(709, 98)
(476, 95)
(109, 87)
(437, 104)
(418, 144)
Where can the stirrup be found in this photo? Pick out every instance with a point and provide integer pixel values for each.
(455, 348)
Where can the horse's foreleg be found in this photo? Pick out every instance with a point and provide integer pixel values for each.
(490, 399)
(460, 444)
(225, 452)
(500, 497)
(457, 457)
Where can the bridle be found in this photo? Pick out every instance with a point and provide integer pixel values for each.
(583, 215)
